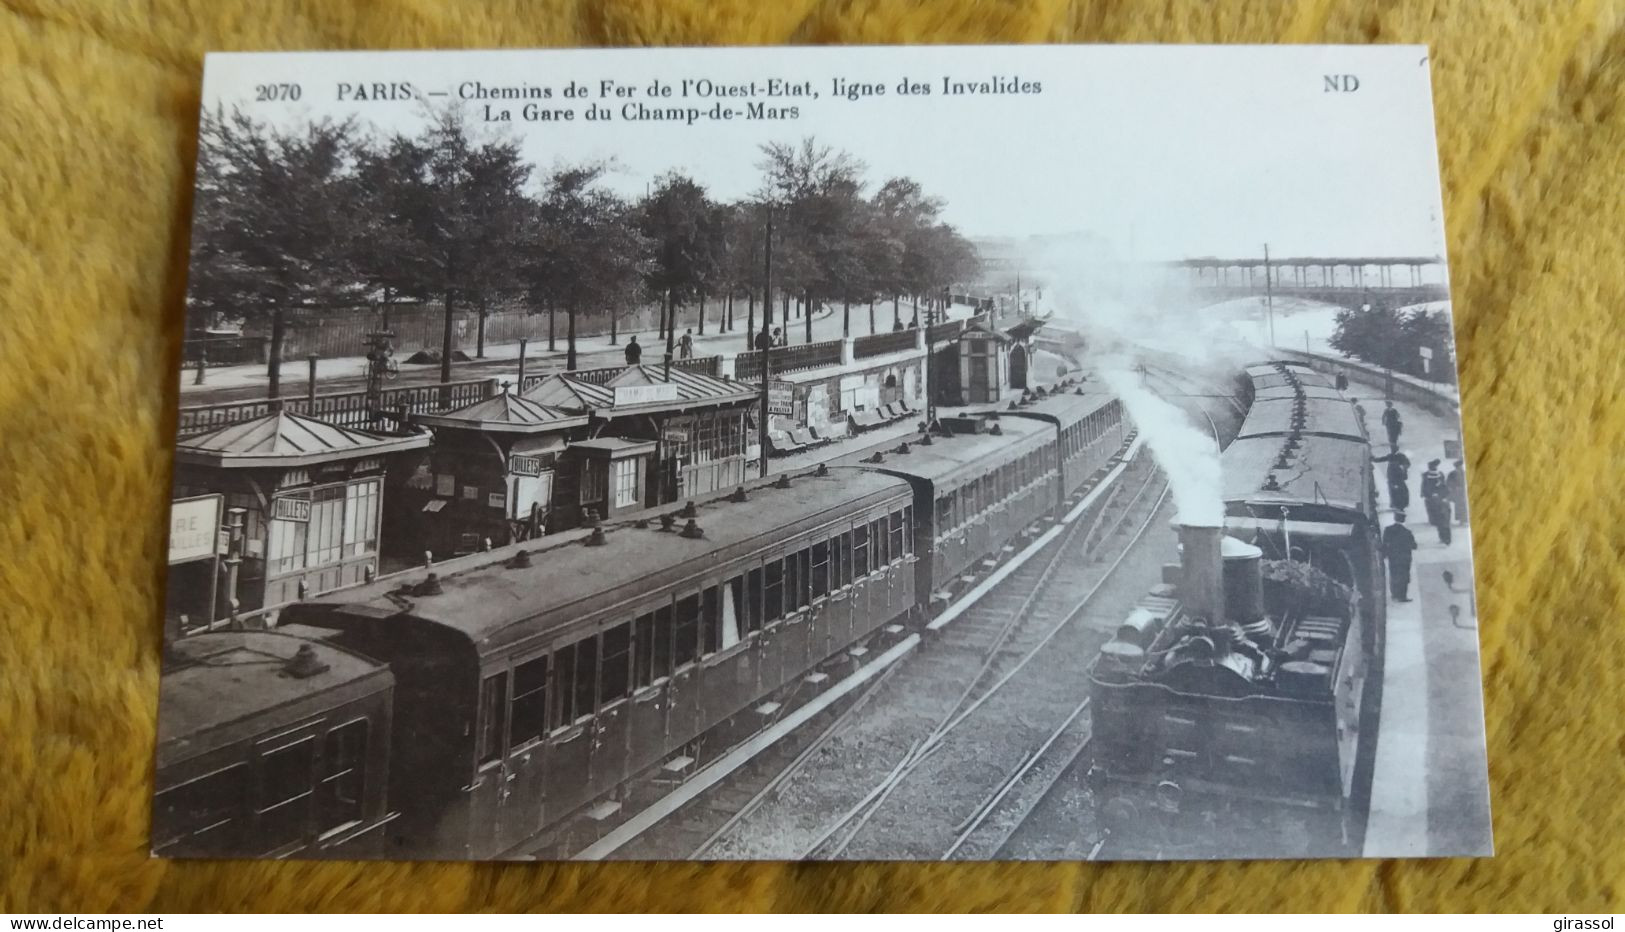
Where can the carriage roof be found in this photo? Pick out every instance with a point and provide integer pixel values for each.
(1333, 472)
(481, 596)
(949, 463)
(1064, 408)
(219, 688)
(1326, 416)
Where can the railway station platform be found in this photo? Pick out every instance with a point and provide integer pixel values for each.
(1430, 789)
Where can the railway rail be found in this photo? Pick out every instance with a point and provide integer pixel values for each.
(1038, 631)
(1023, 827)
(987, 649)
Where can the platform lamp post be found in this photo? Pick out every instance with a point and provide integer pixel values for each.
(236, 521)
(764, 343)
(1269, 293)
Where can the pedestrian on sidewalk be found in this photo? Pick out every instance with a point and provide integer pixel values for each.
(1455, 486)
(1392, 421)
(685, 346)
(634, 352)
(1397, 545)
(778, 337)
(1433, 499)
(1399, 474)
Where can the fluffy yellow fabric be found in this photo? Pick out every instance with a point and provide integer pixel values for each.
(98, 114)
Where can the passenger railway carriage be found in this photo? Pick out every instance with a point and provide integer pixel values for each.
(530, 684)
(538, 683)
(270, 745)
(1090, 430)
(1233, 701)
(973, 492)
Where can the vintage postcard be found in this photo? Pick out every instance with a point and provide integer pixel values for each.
(820, 453)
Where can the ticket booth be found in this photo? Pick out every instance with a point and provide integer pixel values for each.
(311, 494)
(490, 475)
(984, 364)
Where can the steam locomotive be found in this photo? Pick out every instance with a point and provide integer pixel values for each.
(1237, 702)
(475, 708)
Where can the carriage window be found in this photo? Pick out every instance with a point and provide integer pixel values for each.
(643, 635)
(897, 535)
(711, 621)
(908, 529)
(586, 675)
(878, 538)
(774, 593)
(202, 816)
(842, 552)
(860, 551)
(733, 612)
(686, 630)
(753, 600)
(344, 774)
(945, 513)
(663, 635)
(794, 582)
(820, 569)
(798, 580)
(493, 702)
(528, 710)
(652, 657)
(285, 792)
(614, 679)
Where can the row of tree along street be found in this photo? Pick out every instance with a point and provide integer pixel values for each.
(1416, 342)
(327, 214)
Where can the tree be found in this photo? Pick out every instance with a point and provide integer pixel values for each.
(272, 226)
(903, 212)
(457, 204)
(817, 191)
(681, 224)
(586, 251)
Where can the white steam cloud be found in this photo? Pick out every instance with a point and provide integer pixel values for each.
(1135, 314)
(1188, 454)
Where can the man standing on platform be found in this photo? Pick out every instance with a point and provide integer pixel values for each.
(1433, 499)
(634, 352)
(685, 346)
(1397, 545)
(1399, 474)
(1391, 420)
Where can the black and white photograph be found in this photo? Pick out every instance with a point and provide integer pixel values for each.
(933, 453)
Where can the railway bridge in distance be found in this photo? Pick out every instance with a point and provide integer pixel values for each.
(1341, 280)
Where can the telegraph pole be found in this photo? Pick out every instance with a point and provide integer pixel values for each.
(1269, 293)
(764, 343)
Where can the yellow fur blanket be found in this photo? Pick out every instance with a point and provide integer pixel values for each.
(98, 115)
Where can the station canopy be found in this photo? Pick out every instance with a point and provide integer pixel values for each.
(505, 413)
(284, 440)
(641, 389)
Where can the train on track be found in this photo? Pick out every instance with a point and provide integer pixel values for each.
(1237, 703)
(475, 708)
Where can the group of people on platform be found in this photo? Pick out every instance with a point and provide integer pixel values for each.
(1443, 496)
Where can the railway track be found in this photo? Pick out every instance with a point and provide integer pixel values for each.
(1018, 822)
(948, 712)
(1012, 628)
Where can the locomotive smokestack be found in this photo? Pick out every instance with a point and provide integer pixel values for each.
(1202, 586)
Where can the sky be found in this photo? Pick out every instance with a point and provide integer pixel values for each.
(1163, 152)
